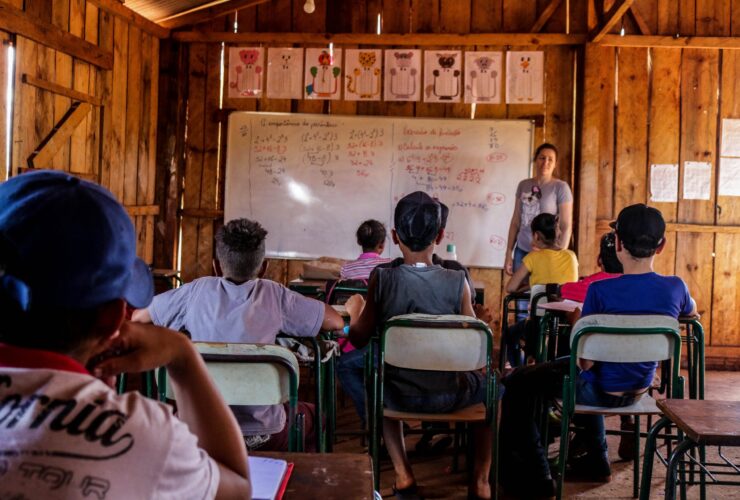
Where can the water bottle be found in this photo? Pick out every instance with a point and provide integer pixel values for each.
(451, 253)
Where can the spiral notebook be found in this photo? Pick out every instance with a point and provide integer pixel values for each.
(269, 477)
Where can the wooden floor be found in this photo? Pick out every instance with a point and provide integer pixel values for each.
(434, 476)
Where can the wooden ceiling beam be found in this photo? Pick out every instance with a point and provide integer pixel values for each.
(16, 21)
(207, 12)
(670, 42)
(547, 13)
(618, 10)
(411, 39)
(117, 9)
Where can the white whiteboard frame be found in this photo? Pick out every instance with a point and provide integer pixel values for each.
(391, 250)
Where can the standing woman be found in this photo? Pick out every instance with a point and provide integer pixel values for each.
(541, 194)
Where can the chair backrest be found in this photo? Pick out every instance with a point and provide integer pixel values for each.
(340, 291)
(251, 374)
(602, 337)
(437, 342)
(535, 297)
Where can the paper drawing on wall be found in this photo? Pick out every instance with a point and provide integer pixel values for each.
(524, 77)
(362, 71)
(442, 76)
(483, 77)
(284, 79)
(245, 71)
(323, 72)
(402, 75)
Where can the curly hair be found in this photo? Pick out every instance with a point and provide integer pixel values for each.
(240, 248)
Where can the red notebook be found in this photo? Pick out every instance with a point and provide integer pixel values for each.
(284, 484)
(269, 477)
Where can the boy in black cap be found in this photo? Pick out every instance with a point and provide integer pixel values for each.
(639, 237)
(68, 267)
(419, 286)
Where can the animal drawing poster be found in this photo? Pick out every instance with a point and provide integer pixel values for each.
(362, 74)
(442, 75)
(284, 73)
(483, 77)
(525, 77)
(323, 75)
(245, 71)
(402, 75)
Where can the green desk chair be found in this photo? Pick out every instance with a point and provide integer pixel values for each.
(442, 343)
(623, 339)
(251, 374)
(324, 402)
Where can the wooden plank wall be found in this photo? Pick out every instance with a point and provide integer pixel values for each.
(636, 106)
(686, 94)
(204, 162)
(115, 143)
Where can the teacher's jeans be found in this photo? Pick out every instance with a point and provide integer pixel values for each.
(521, 305)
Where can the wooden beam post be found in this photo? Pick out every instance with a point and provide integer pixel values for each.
(615, 14)
(545, 16)
(60, 90)
(117, 9)
(640, 20)
(207, 12)
(16, 21)
(61, 133)
(420, 39)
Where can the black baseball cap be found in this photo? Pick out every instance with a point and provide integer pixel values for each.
(417, 220)
(640, 228)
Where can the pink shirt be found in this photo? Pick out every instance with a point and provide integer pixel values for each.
(577, 290)
(361, 268)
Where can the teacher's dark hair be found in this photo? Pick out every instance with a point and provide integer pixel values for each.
(547, 226)
(546, 145)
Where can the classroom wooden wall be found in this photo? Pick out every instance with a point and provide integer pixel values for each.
(650, 105)
(110, 138)
(202, 164)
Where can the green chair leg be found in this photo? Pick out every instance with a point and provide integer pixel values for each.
(647, 466)
(636, 471)
(564, 434)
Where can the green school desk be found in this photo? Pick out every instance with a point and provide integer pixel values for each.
(315, 289)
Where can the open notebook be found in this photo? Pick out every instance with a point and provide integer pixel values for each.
(269, 477)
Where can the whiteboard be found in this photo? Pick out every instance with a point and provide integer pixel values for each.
(311, 180)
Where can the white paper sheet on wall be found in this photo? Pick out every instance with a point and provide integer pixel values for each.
(730, 137)
(697, 180)
(729, 177)
(664, 182)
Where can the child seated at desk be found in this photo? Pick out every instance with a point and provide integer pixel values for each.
(544, 265)
(607, 262)
(69, 269)
(242, 308)
(371, 237)
(419, 286)
(640, 234)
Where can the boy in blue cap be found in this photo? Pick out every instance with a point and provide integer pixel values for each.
(420, 286)
(68, 267)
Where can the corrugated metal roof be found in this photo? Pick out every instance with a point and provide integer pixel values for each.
(156, 10)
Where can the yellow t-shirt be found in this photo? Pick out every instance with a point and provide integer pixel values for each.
(551, 266)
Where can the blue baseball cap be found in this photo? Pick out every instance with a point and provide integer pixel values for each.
(66, 243)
